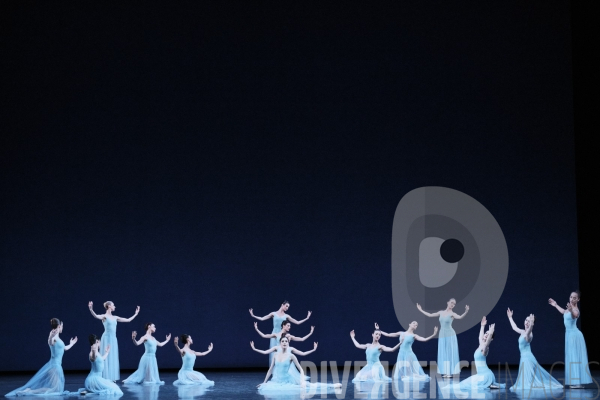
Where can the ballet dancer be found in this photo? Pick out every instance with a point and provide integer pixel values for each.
(484, 378)
(278, 317)
(407, 366)
(95, 383)
(147, 372)
(50, 379)
(109, 338)
(282, 381)
(577, 371)
(531, 374)
(373, 371)
(447, 359)
(285, 329)
(187, 375)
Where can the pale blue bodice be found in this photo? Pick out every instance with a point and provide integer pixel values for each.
(277, 320)
(372, 354)
(570, 322)
(110, 325)
(150, 346)
(407, 343)
(57, 351)
(188, 361)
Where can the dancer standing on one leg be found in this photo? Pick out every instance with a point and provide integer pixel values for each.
(50, 379)
(187, 375)
(484, 379)
(95, 383)
(282, 381)
(577, 371)
(447, 359)
(278, 317)
(531, 374)
(373, 371)
(109, 338)
(407, 365)
(147, 372)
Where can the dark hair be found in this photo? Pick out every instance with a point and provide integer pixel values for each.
(147, 325)
(55, 322)
(578, 293)
(93, 339)
(377, 330)
(284, 337)
(184, 338)
(284, 322)
(285, 302)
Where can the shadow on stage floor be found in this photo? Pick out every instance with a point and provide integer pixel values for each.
(242, 385)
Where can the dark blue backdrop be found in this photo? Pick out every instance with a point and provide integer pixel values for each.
(207, 158)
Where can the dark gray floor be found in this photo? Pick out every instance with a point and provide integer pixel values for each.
(242, 385)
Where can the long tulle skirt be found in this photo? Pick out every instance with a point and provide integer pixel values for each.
(48, 381)
(448, 359)
(191, 377)
(372, 372)
(147, 372)
(482, 380)
(96, 384)
(408, 368)
(577, 371)
(533, 377)
(111, 364)
(271, 388)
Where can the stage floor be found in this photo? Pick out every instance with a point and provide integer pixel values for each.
(242, 385)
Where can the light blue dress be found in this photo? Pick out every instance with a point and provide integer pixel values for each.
(283, 382)
(147, 372)
(483, 379)
(373, 371)
(293, 370)
(96, 384)
(109, 337)
(50, 379)
(577, 370)
(187, 375)
(277, 320)
(447, 359)
(407, 366)
(531, 374)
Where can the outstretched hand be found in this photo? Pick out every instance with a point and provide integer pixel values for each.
(133, 335)
(252, 344)
(107, 350)
(435, 329)
(210, 347)
(312, 328)
(491, 328)
(466, 308)
(168, 337)
(509, 312)
(352, 334)
(137, 310)
(531, 319)
(552, 302)
(309, 313)
(91, 305)
(483, 321)
(251, 313)
(73, 341)
(569, 306)
(376, 325)
(176, 340)
(419, 307)
(316, 344)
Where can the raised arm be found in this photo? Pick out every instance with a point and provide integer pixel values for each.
(553, 304)
(390, 349)
(52, 336)
(482, 329)
(71, 343)
(304, 353)
(270, 335)
(387, 334)
(272, 349)
(159, 344)
(292, 320)
(106, 351)
(91, 307)
(137, 311)
(489, 338)
(176, 343)
(422, 339)
(530, 328)
(435, 314)
(137, 342)
(509, 313)
(456, 316)
(302, 339)
(360, 346)
(266, 317)
(573, 311)
(210, 347)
